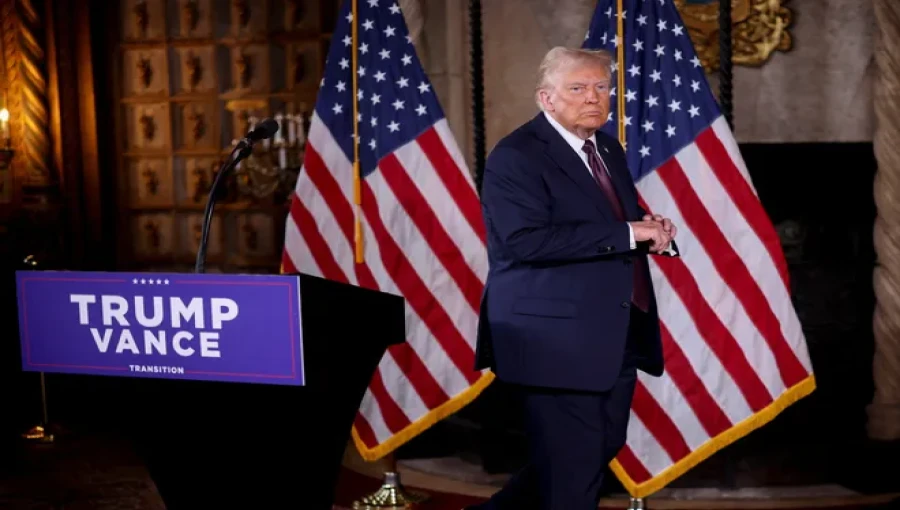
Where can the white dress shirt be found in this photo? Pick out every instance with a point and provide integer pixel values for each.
(577, 144)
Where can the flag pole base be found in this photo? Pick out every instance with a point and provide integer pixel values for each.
(636, 504)
(38, 434)
(390, 496)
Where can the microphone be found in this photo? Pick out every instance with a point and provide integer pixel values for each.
(265, 129)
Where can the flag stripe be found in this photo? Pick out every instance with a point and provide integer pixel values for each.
(675, 317)
(394, 417)
(750, 248)
(425, 364)
(412, 201)
(417, 294)
(418, 374)
(337, 202)
(647, 449)
(723, 134)
(397, 382)
(714, 289)
(323, 256)
(717, 336)
(423, 371)
(659, 423)
(633, 465)
(318, 189)
(714, 333)
(742, 197)
(373, 415)
(364, 430)
(295, 248)
(663, 390)
(448, 140)
(427, 270)
(435, 193)
(700, 400)
(322, 177)
(732, 269)
(457, 183)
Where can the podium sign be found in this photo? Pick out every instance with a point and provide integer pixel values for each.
(213, 327)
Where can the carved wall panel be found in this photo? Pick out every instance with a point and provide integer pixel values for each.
(151, 183)
(146, 72)
(191, 229)
(195, 69)
(143, 20)
(196, 127)
(191, 19)
(248, 19)
(148, 127)
(192, 76)
(153, 237)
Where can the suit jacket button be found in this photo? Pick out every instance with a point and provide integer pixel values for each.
(625, 304)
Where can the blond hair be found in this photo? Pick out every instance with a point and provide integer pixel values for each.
(560, 58)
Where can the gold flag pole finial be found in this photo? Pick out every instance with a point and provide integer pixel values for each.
(357, 185)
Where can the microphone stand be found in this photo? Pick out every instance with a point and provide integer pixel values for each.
(243, 149)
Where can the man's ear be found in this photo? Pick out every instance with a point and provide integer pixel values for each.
(546, 100)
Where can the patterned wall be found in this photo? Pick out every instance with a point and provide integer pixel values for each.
(193, 75)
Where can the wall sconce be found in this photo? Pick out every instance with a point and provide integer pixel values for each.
(6, 152)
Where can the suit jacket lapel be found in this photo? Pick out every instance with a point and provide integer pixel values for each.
(620, 173)
(571, 164)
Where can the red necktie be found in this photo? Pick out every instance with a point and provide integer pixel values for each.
(640, 294)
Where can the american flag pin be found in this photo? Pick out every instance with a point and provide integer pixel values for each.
(605, 149)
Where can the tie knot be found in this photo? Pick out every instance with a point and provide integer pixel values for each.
(588, 146)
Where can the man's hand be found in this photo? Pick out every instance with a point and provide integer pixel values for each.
(666, 223)
(653, 231)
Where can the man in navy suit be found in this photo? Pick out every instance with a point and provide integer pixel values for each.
(568, 313)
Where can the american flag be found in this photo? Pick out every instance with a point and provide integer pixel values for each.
(422, 231)
(735, 353)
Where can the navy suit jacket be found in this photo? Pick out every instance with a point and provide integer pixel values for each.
(555, 310)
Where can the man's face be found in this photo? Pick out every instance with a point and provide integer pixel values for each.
(580, 99)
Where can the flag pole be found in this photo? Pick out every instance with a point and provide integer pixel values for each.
(725, 62)
(477, 74)
(634, 503)
(620, 73)
(357, 185)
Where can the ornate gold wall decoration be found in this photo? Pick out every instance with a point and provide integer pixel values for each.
(11, 72)
(23, 51)
(759, 28)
